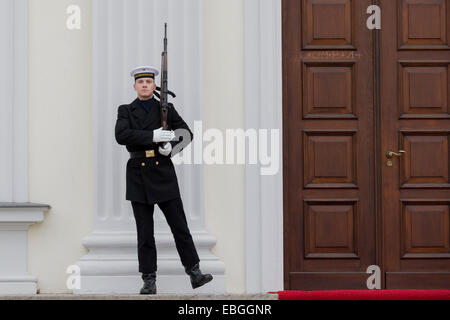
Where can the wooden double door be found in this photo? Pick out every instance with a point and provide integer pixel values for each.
(351, 96)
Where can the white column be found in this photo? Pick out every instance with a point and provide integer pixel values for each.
(16, 214)
(264, 110)
(126, 34)
(13, 100)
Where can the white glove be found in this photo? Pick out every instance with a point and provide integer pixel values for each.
(166, 150)
(161, 135)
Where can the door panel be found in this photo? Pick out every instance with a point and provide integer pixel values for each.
(329, 144)
(415, 114)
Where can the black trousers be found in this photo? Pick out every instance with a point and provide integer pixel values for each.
(176, 218)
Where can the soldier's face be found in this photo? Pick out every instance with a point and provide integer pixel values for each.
(145, 87)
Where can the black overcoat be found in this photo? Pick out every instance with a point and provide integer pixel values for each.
(149, 180)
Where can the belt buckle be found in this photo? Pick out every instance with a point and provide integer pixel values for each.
(150, 153)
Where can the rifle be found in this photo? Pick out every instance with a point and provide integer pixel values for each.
(164, 99)
(164, 85)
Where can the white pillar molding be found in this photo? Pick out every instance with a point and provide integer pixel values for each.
(264, 110)
(16, 213)
(14, 100)
(15, 220)
(126, 34)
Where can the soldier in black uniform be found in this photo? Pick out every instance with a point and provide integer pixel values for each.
(151, 178)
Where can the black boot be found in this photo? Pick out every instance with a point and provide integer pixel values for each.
(197, 278)
(149, 283)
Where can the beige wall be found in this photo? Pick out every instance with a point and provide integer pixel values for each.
(61, 137)
(224, 109)
(60, 141)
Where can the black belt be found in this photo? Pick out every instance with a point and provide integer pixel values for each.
(143, 154)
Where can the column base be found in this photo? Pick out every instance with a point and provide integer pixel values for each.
(165, 284)
(18, 285)
(111, 266)
(15, 220)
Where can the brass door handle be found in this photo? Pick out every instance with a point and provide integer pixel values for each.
(391, 154)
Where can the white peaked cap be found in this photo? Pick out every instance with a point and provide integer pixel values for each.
(144, 72)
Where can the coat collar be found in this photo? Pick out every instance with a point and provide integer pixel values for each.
(143, 118)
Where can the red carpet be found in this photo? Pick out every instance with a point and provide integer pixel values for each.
(365, 295)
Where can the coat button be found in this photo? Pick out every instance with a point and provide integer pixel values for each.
(157, 163)
(143, 164)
